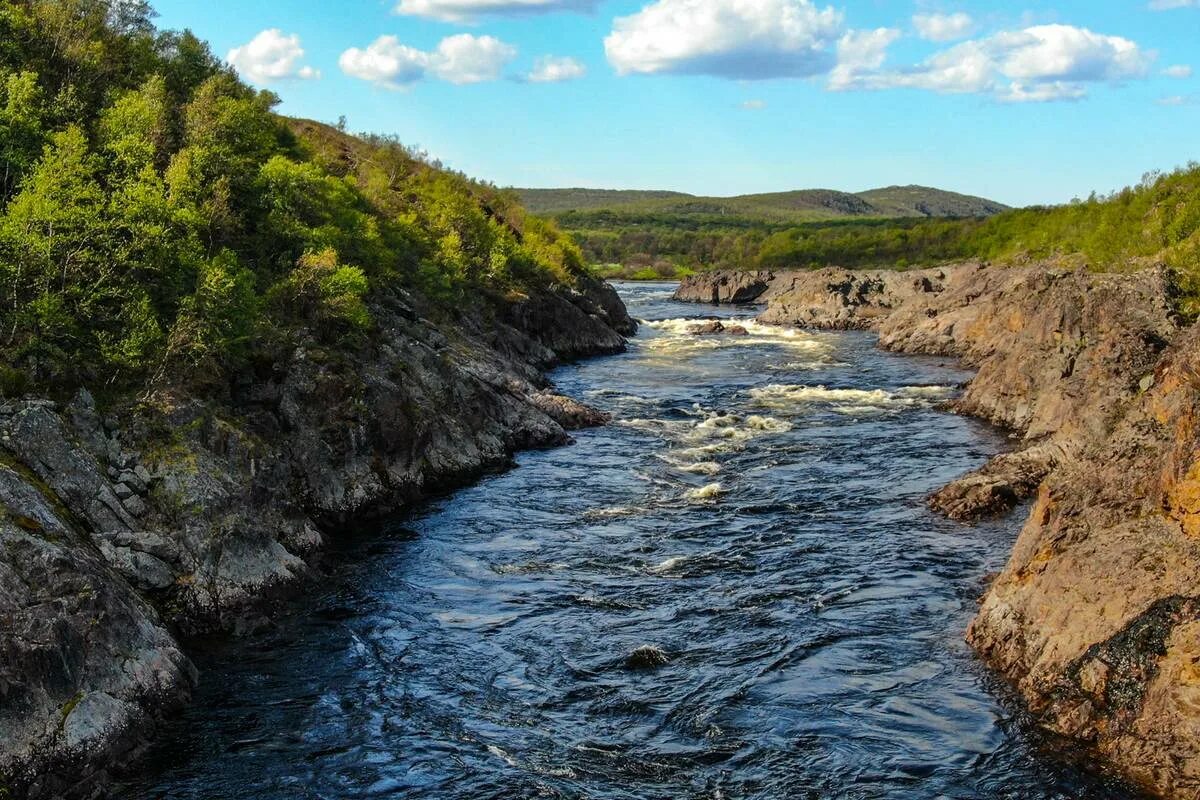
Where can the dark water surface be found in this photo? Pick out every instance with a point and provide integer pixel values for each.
(756, 513)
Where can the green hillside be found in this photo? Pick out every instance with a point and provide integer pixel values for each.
(796, 206)
(1155, 222)
(158, 222)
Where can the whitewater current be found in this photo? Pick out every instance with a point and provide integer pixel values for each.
(733, 591)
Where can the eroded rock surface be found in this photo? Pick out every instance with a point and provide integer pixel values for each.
(189, 513)
(1058, 353)
(1096, 617)
(735, 288)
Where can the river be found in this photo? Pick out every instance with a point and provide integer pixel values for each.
(755, 514)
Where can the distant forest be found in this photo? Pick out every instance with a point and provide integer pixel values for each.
(1155, 221)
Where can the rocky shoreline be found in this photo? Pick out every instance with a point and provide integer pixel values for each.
(1095, 618)
(123, 532)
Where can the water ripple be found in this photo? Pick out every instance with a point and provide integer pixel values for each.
(756, 518)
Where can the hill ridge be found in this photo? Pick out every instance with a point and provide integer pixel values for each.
(897, 201)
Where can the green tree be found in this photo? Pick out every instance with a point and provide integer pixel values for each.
(22, 133)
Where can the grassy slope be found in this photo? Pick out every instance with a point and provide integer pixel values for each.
(795, 206)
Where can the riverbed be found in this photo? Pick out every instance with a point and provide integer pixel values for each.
(754, 520)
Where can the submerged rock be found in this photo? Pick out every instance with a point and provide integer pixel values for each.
(717, 327)
(647, 656)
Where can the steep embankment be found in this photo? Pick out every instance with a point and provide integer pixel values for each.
(185, 513)
(1096, 617)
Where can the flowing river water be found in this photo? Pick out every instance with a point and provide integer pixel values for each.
(756, 513)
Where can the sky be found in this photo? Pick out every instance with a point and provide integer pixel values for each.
(1024, 103)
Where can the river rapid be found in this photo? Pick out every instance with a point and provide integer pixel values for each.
(755, 513)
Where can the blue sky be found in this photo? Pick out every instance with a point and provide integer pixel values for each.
(1035, 103)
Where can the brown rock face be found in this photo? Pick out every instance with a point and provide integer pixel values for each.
(734, 288)
(1096, 618)
(846, 299)
(1058, 353)
(1058, 357)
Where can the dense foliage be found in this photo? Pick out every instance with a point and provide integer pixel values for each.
(159, 222)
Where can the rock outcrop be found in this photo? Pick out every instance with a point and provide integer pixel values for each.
(186, 513)
(846, 299)
(1058, 353)
(734, 288)
(1096, 617)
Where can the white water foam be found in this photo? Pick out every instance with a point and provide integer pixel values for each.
(706, 494)
(790, 397)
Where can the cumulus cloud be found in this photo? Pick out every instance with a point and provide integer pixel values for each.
(944, 27)
(1038, 64)
(737, 39)
(467, 10)
(386, 62)
(459, 59)
(471, 59)
(553, 69)
(271, 56)
(860, 54)
(1167, 5)
(1178, 71)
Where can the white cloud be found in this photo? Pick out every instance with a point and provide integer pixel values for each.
(1038, 64)
(1167, 5)
(1178, 71)
(1018, 92)
(1179, 100)
(386, 62)
(1063, 52)
(467, 10)
(471, 59)
(552, 69)
(271, 56)
(859, 54)
(944, 27)
(458, 59)
(738, 39)
(754, 105)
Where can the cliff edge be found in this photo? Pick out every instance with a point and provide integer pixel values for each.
(1096, 617)
(179, 513)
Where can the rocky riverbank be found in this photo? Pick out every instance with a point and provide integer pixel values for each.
(1096, 618)
(1059, 354)
(123, 531)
